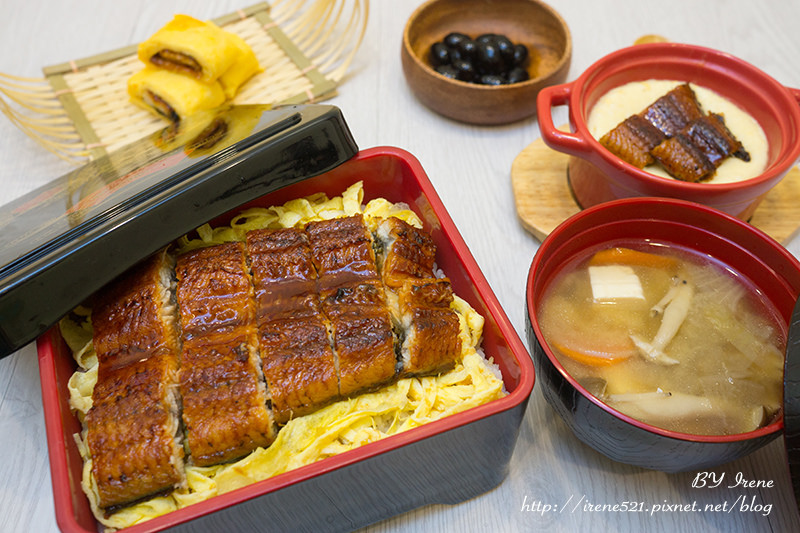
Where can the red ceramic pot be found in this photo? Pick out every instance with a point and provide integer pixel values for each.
(596, 175)
(769, 268)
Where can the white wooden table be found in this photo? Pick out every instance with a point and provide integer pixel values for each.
(470, 168)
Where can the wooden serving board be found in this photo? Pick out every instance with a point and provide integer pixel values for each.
(544, 200)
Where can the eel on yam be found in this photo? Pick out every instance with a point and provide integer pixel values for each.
(695, 153)
(674, 132)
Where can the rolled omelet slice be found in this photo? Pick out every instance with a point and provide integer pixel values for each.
(244, 68)
(191, 47)
(171, 95)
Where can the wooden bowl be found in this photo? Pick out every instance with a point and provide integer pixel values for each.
(528, 22)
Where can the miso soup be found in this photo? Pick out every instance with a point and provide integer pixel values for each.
(667, 337)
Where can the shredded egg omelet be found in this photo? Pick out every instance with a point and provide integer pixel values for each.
(334, 429)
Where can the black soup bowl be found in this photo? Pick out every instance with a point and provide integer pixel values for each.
(771, 269)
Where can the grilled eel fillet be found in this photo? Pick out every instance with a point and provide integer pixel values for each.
(298, 360)
(429, 327)
(431, 342)
(695, 153)
(353, 301)
(634, 138)
(632, 141)
(316, 308)
(224, 396)
(133, 425)
(673, 111)
(674, 132)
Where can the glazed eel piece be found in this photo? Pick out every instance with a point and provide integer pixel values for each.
(634, 138)
(225, 400)
(177, 61)
(695, 153)
(673, 111)
(632, 141)
(675, 132)
(133, 426)
(429, 328)
(353, 300)
(298, 361)
(276, 327)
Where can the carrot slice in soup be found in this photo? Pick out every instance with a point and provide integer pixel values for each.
(596, 357)
(627, 256)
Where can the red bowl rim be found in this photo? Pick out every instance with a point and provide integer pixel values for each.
(786, 111)
(539, 258)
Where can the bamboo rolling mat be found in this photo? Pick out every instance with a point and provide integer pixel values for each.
(80, 110)
(543, 198)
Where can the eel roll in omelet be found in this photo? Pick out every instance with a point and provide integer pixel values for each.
(191, 47)
(172, 96)
(243, 68)
(190, 65)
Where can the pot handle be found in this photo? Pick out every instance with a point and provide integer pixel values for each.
(795, 93)
(568, 142)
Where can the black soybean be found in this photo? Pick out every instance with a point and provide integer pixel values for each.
(492, 79)
(448, 71)
(454, 38)
(440, 54)
(520, 55)
(489, 59)
(466, 72)
(517, 74)
(468, 49)
(506, 48)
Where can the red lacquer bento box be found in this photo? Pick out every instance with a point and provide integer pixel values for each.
(446, 461)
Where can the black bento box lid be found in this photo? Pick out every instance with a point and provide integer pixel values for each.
(63, 241)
